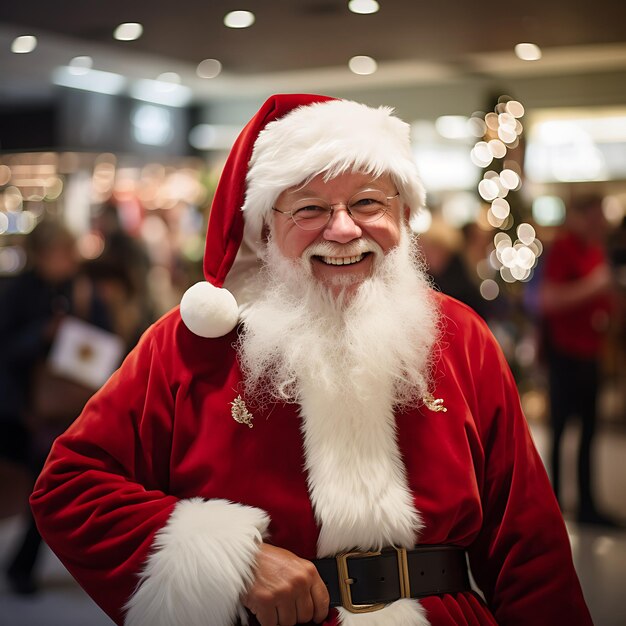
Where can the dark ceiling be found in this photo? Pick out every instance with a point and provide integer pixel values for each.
(305, 34)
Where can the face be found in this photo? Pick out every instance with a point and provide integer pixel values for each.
(58, 262)
(342, 266)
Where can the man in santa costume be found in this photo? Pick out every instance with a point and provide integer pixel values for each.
(334, 445)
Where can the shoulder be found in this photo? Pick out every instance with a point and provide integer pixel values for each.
(180, 349)
(458, 319)
(465, 339)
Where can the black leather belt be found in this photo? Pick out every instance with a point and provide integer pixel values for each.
(366, 581)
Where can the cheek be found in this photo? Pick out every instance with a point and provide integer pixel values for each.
(386, 235)
(291, 240)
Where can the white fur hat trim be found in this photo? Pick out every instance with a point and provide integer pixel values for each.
(330, 137)
(209, 311)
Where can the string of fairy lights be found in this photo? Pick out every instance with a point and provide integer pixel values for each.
(516, 247)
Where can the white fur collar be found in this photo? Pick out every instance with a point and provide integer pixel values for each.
(357, 484)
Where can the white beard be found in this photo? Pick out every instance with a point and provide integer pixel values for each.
(296, 330)
(350, 362)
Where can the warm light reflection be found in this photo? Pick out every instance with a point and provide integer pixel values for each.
(13, 199)
(526, 233)
(500, 208)
(488, 189)
(25, 222)
(489, 289)
(497, 148)
(476, 125)
(481, 154)
(12, 260)
(515, 108)
(509, 179)
(90, 245)
(5, 174)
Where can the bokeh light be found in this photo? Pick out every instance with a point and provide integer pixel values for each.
(364, 7)
(209, 68)
(528, 51)
(24, 44)
(239, 19)
(362, 65)
(128, 31)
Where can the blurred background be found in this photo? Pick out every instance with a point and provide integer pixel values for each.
(116, 118)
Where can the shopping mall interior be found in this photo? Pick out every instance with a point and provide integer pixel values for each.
(117, 119)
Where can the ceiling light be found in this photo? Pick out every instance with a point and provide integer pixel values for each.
(80, 65)
(362, 65)
(159, 92)
(24, 44)
(239, 19)
(169, 77)
(129, 31)
(363, 7)
(209, 68)
(528, 51)
(452, 126)
(213, 136)
(92, 80)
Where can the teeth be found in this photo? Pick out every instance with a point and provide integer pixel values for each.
(348, 260)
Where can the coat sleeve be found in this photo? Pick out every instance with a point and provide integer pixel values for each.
(522, 558)
(102, 505)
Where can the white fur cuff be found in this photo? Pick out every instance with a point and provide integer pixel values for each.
(201, 563)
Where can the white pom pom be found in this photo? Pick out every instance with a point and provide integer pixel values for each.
(209, 311)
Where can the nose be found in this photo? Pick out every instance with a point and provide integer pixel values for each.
(341, 227)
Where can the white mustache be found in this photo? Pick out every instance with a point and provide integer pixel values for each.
(334, 249)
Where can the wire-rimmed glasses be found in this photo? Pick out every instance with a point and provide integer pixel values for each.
(363, 207)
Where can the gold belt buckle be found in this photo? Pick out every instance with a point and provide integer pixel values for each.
(345, 581)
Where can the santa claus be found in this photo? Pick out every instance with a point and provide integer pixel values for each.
(328, 440)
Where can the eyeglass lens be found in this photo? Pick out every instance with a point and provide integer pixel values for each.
(365, 206)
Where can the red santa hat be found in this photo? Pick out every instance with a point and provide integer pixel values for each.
(292, 138)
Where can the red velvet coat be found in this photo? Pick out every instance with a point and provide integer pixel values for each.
(161, 431)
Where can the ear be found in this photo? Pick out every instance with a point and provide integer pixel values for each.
(407, 213)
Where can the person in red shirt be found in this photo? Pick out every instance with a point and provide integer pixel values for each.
(576, 301)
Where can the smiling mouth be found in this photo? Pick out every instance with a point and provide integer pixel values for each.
(346, 260)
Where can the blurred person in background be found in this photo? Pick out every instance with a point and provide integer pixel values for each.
(116, 288)
(576, 299)
(32, 307)
(444, 252)
(337, 404)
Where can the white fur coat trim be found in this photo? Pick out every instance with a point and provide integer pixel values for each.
(201, 563)
(358, 484)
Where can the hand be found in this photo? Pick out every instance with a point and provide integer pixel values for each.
(286, 590)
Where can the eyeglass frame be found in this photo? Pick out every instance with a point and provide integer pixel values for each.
(332, 206)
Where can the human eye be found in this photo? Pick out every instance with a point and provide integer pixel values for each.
(368, 202)
(309, 210)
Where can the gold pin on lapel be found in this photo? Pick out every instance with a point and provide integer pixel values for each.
(240, 412)
(433, 404)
